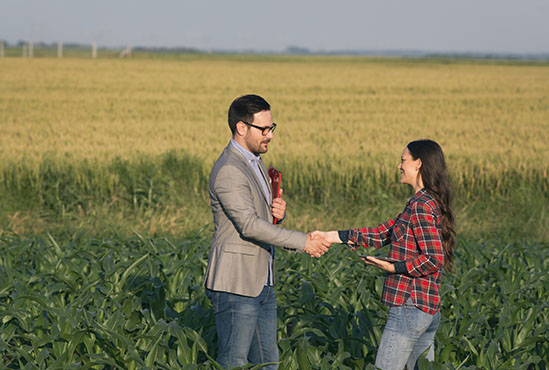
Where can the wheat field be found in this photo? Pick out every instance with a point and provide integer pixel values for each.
(348, 109)
(65, 124)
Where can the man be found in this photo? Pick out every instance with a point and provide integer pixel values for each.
(239, 277)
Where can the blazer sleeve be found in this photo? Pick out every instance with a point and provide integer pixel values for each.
(234, 192)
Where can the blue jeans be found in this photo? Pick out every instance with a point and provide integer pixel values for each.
(407, 334)
(246, 328)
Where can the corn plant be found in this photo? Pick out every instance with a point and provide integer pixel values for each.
(139, 303)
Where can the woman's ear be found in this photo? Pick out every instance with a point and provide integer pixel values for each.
(418, 164)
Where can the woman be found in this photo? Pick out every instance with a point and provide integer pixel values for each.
(421, 239)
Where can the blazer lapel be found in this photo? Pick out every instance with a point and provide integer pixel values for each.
(267, 179)
(251, 173)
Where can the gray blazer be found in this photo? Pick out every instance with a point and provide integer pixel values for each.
(243, 227)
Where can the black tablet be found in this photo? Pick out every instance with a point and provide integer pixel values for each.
(387, 259)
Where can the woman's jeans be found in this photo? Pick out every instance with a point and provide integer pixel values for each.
(407, 334)
(246, 328)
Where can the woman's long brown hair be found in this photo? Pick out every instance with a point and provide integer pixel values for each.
(435, 180)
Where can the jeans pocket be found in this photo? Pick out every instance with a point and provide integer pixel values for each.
(417, 320)
(214, 298)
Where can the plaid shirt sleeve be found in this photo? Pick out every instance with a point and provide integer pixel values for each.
(416, 240)
(373, 236)
(429, 241)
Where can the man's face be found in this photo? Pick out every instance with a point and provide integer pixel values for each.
(254, 140)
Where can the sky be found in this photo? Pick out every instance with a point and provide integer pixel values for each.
(486, 26)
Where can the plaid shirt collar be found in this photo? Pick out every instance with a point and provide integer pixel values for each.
(416, 196)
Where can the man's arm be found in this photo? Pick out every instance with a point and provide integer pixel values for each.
(314, 247)
(232, 189)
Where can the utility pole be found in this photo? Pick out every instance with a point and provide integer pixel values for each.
(127, 52)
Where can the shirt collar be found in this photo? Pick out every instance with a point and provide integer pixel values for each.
(246, 153)
(416, 195)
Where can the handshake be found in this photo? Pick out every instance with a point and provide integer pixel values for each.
(318, 242)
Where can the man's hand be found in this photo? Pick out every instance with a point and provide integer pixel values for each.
(279, 207)
(316, 246)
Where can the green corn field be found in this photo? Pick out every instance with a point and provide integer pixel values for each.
(139, 303)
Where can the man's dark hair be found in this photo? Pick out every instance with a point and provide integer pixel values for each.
(243, 109)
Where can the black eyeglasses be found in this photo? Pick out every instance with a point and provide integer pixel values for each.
(264, 130)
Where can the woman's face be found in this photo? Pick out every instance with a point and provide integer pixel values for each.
(409, 169)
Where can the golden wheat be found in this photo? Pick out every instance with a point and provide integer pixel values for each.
(344, 109)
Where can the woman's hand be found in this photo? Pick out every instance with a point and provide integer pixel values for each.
(384, 265)
(330, 236)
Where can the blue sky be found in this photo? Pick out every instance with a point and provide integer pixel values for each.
(500, 26)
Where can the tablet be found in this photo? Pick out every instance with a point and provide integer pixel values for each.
(383, 258)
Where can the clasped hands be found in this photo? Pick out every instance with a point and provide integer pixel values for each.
(315, 246)
(320, 241)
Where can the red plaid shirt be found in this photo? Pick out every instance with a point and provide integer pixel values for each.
(416, 238)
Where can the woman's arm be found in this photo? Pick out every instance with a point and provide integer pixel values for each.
(372, 236)
(375, 236)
